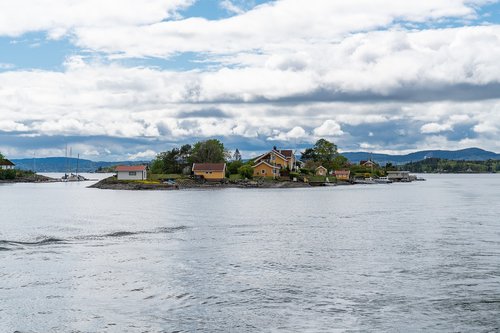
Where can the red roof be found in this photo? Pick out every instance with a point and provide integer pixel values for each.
(342, 172)
(130, 168)
(217, 167)
(6, 162)
(286, 152)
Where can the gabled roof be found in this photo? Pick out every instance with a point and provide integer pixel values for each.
(130, 168)
(6, 162)
(288, 153)
(321, 167)
(283, 153)
(264, 162)
(213, 167)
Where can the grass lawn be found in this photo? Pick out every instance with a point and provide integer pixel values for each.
(320, 178)
(235, 177)
(156, 177)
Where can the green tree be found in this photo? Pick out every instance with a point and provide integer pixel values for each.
(246, 171)
(184, 154)
(1, 156)
(172, 161)
(209, 151)
(325, 151)
(308, 155)
(338, 162)
(233, 167)
(157, 165)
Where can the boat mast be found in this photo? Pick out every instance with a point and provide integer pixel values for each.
(77, 165)
(67, 165)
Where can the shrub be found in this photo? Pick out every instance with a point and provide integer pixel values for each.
(7, 174)
(304, 171)
(233, 167)
(246, 171)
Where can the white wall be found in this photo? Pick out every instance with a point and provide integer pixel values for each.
(125, 175)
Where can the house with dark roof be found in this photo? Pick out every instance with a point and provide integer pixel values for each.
(210, 171)
(269, 164)
(131, 172)
(5, 164)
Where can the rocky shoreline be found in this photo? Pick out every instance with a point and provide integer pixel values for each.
(29, 179)
(114, 184)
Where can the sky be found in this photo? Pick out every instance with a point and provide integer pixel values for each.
(126, 79)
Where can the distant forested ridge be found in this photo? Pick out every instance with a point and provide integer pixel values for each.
(469, 154)
(63, 164)
(438, 165)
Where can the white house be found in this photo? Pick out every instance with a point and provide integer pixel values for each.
(6, 165)
(131, 172)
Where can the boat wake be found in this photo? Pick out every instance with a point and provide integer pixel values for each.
(9, 245)
(164, 230)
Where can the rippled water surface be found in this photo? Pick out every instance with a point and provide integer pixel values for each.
(412, 257)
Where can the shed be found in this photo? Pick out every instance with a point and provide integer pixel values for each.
(131, 172)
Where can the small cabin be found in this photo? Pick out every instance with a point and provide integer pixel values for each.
(210, 171)
(342, 175)
(321, 171)
(131, 172)
(5, 164)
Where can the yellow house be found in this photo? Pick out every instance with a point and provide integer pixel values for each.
(283, 158)
(210, 171)
(321, 171)
(264, 169)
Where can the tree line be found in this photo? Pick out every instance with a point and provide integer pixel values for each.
(437, 165)
(180, 159)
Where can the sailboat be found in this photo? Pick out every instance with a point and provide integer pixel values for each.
(69, 176)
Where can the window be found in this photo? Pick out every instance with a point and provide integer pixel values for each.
(132, 173)
(263, 171)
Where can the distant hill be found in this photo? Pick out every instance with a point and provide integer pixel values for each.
(469, 154)
(63, 164)
(437, 165)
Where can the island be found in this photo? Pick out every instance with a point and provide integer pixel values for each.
(207, 164)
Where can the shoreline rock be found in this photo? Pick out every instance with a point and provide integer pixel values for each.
(29, 179)
(114, 184)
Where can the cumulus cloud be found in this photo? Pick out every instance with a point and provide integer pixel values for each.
(296, 133)
(280, 24)
(148, 155)
(282, 71)
(435, 128)
(60, 18)
(328, 129)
